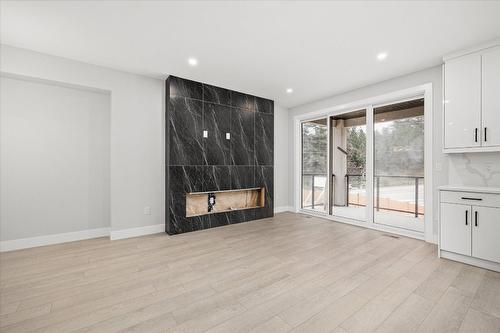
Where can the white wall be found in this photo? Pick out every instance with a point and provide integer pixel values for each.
(54, 159)
(281, 159)
(136, 131)
(136, 134)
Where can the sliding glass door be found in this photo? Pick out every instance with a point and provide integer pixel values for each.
(399, 165)
(367, 164)
(314, 165)
(348, 165)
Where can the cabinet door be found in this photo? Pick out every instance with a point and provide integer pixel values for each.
(455, 223)
(491, 96)
(462, 102)
(485, 233)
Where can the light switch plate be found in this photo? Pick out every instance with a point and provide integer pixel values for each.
(205, 134)
(228, 136)
(147, 210)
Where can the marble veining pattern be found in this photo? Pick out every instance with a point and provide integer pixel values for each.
(264, 105)
(215, 163)
(185, 88)
(243, 136)
(475, 169)
(216, 95)
(217, 123)
(264, 139)
(264, 176)
(186, 130)
(242, 176)
(243, 101)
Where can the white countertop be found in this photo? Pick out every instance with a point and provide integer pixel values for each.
(476, 189)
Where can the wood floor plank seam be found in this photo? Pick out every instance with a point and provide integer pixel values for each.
(283, 274)
(388, 287)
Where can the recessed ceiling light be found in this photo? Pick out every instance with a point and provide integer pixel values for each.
(289, 91)
(193, 61)
(381, 56)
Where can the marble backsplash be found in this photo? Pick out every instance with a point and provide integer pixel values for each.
(474, 169)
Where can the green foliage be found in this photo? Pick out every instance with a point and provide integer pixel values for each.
(399, 147)
(314, 148)
(356, 150)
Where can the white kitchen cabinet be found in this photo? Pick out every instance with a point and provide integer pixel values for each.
(491, 97)
(471, 103)
(462, 105)
(486, 233)
(469, 226)
(456, 228)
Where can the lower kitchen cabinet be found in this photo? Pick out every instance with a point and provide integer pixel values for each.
(469, 227)
(455, 228)
(486, 233)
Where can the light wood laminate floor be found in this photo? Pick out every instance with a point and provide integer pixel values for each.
(291, 273)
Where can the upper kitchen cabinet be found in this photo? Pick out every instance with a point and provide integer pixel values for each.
(462, 104)
(491, 97)
(472, 101)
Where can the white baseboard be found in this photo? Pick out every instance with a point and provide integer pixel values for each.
(282, 209)
(494, 266)
(374, 226)
(25, 243)
(393, 230)
(136, 232)
(433, 240)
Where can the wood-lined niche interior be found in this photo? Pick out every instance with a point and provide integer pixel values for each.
(225, 201)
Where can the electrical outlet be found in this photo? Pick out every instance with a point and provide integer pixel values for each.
(205, 134)
(438, 167)
(147, 210)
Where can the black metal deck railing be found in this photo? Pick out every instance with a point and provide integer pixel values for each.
(348, 180)
(313, 176)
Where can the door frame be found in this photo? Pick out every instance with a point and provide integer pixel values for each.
(424, 90)
(327, 195)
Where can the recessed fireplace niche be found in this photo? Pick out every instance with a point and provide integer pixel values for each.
(219, 149)
(203, 203)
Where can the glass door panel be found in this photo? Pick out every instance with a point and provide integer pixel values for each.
(314, 165)
(399, 165)
(348, 165)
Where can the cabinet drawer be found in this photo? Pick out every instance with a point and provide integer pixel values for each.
(471, 198)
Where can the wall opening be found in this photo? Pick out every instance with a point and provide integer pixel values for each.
(55, 158)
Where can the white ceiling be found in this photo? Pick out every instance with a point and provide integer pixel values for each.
(318, 48)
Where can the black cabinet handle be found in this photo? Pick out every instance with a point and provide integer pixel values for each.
(476, 199)
(485, 138)
(466, 217)
(475, 218)
(475, 135)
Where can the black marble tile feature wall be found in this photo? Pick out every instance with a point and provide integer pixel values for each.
(216, 162)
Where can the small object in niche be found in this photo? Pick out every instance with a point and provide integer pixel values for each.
(211, 201)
